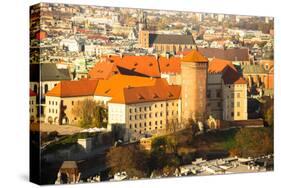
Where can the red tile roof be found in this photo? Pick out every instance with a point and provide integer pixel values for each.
(103, 70)
(161, 91)
(220, 65)
(78, 88)
(169, 65)
(195, 56)
(144, 65)
(113, 87)
(134, 89)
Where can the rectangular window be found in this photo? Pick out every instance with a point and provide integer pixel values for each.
(238, 95)
(232, 114)
(238, 114)
(72, 103)
(238, 104)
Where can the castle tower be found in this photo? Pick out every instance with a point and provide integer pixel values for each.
(194, 73)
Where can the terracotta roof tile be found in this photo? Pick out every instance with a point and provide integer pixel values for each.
(220, 65)
(161, 91)
(194, 56)
(134, 89)
(113, 87)
(83, 87)
(103, 70)
(144, 65)
(169, 65)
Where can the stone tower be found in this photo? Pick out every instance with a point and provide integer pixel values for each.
(194, 73)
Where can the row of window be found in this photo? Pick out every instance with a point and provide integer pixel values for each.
(31, 102)
(53, 103)
(54, 111)
(141, 116)
(145, 108)
(237, 114)
(218, 93)
(148, 129)
(237, 104)
(145, 124)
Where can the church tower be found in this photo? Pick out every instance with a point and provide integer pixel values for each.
(142, 21)
(194, 67)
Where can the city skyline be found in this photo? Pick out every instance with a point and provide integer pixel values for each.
(107, 82)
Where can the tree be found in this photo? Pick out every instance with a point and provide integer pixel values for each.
(130, 159)
(252, 142)
(90, 113)
(267, 110)
(164, 153)
(269, 116)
